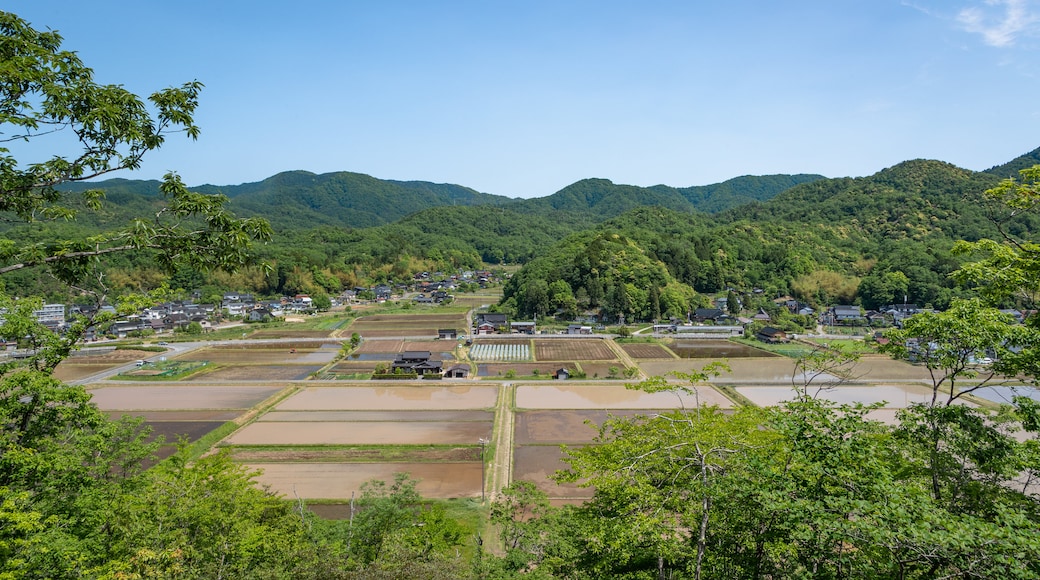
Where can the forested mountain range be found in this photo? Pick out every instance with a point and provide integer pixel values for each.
(867, 239)
(296, 199)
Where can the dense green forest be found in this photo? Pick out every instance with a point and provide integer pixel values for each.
(872, 240)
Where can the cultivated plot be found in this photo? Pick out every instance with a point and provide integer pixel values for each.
(183, 397)
(344, 480)
(572, 350)
(361, 433)
(397, 398)
(544, 427)
(646, 351)
(537, 463)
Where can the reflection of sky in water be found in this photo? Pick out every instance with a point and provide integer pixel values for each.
(1000, 394)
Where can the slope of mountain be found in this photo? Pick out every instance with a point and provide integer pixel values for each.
(1011, 168)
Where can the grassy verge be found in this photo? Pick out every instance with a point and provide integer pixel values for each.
(355, 453)
(731, 393)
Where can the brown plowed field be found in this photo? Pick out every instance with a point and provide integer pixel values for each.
(257, 373)
(162, 398)
(576, 350)
(355, 455)
(536, 463)
(636, 350)
(362, 433)
(270, 357)
(391, 398)
(551, 427)
(277, 333)
(380, 346)
(392, 319)
(340, 480)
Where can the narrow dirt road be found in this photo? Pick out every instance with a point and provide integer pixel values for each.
(501, 467)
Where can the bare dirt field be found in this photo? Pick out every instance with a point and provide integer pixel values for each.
(318, 416)
(123, 355)
(607, 396)
(649, 351)
(266, 356)
(309, 345)
(348, 368)
(340, 480)
(380, 346)
(257, 373)
(92, 361)
(360, 454)
(391, 398)
(536, 463)
(73, 372)
(173, 416)
(287, 333)
(161, 398)
(572, 350)
(362, 433)
(551, 427)
(415, 319)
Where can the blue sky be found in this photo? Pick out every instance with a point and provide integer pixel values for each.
(523, 98)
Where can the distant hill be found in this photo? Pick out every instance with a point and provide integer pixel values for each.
(606, 199)
(300, 199)
(1011, 168)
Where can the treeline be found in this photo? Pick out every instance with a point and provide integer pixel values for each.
(872, 241)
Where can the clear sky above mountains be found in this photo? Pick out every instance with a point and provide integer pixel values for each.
(524, 98)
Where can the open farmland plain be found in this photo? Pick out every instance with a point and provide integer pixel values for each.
(318, 436)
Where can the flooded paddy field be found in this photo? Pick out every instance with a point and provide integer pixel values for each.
(361, 433)
(717, 349)
(340, 480)
(396, 398)
(573, 350)
(780, 370)
(646, 350)
(554, 427)
(257, 373)
(610, 396)
(893, 396)
(536, 463)
(1004, 394)
(163, 398)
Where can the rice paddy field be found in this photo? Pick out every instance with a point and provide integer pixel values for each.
(316, 430)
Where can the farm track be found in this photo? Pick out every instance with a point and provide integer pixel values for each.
(500, 474)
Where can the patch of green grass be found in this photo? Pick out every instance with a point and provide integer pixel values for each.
(169, 371)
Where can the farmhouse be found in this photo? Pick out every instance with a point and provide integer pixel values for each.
(522, 327)
(770, 334)
(457, 372)
(416, 361)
